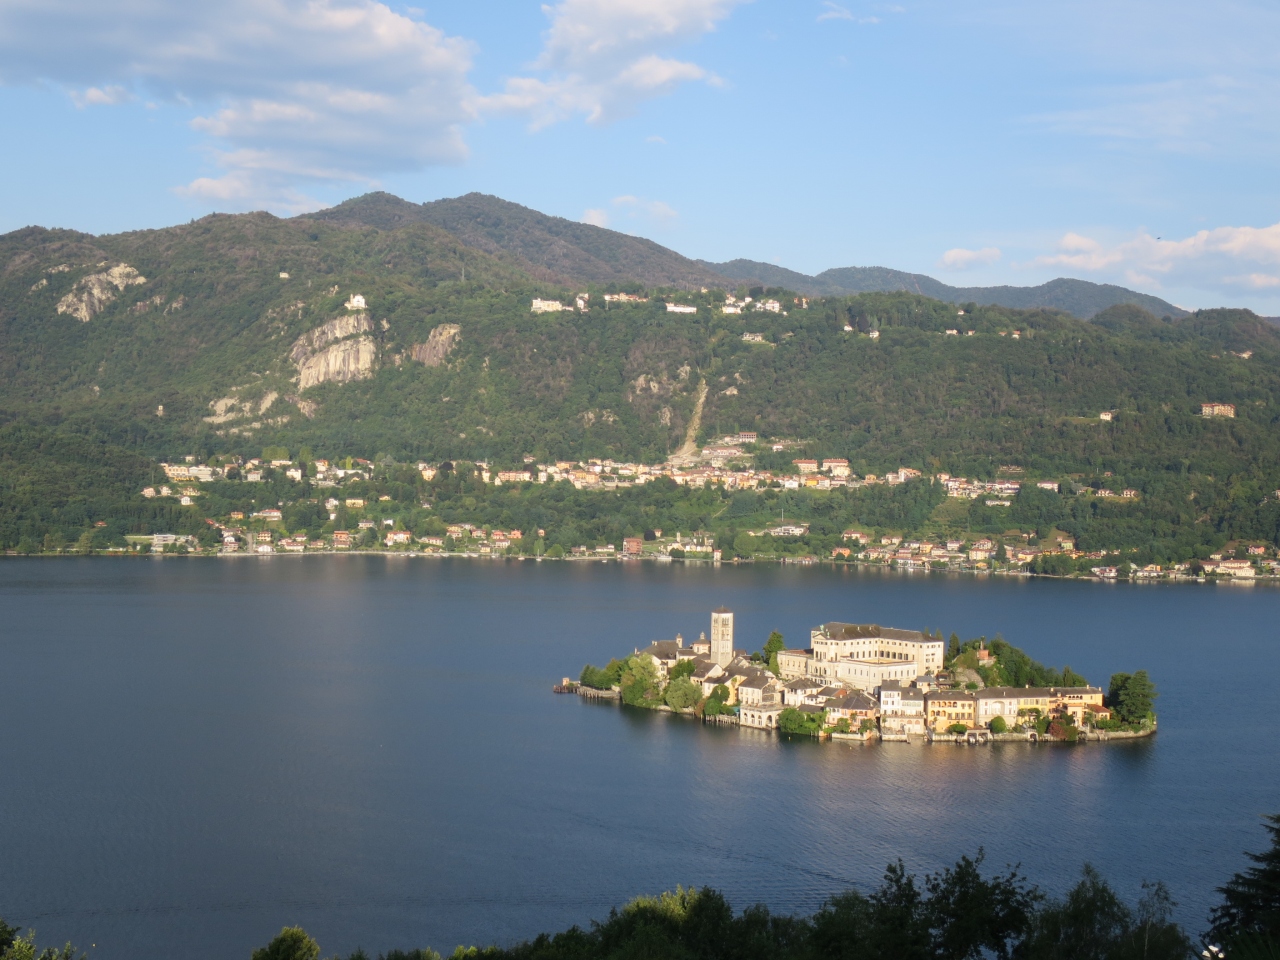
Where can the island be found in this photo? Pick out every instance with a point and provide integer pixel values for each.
(867, 682)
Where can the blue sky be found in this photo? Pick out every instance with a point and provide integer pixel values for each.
(1124, 142)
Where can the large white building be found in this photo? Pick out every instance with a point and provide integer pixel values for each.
(865, 656)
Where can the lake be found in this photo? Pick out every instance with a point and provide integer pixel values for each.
(196, 752)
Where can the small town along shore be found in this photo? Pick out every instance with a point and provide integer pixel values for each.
(864, 682)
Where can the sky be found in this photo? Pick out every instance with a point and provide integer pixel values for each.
(1120, 141)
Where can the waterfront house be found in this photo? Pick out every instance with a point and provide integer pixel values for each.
(1013, 704)
(853, 706)
(901, 710)
(946, 707)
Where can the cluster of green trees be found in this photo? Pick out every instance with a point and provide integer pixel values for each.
(1009, 665)
(958, 913)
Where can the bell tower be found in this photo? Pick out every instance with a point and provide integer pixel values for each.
(722, 636)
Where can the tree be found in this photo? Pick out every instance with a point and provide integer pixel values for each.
(772, 647)
(998, 725)
(291, 943)
(684, 668)
(1251, 899)
(1138, 698)
(682, 693)
(953, 647)
(639, 682)
(972, 917)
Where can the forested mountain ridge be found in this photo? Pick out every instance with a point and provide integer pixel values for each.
(1080, 298)
(195, 342)
(545, 248)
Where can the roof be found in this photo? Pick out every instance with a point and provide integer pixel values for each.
(853, 700)
(1004, 693)
(949, 695)
(662, 649)
(857, 631)
(804, 683)
(722, 610)
(797, 653)
(912, 693)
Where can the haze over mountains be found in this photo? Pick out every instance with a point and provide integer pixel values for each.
(554, 249)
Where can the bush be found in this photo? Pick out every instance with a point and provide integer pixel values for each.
(960, 727)
(682, 693)
(998, 725)
(800, 723)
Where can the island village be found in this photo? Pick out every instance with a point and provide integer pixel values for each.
(864, 682)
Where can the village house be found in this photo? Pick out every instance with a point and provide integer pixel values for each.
(853, 706)
(946, 707)
(1217, 409)
(1013, 704)
(901, 710)
(794, 664)
(548, 306)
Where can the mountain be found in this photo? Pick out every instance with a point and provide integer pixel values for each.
(546, 248)
(384, 327)
(1080, 298)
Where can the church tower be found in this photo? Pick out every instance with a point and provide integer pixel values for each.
(722, 636)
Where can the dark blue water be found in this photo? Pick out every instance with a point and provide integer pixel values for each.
(194, 753)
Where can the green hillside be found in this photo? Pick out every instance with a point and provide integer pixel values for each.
(209, 331)
(232, 334)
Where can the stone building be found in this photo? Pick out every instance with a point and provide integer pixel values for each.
(722, 636)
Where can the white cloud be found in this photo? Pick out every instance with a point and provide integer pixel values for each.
(291, 91)
(100, 96)
(632, 210)
(1211, 258)
(650, 209)
(601, 58)
(655, 139)
(834, 12)
(959, 258)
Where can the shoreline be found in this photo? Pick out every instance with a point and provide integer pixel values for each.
(859, 564)
(975, 737)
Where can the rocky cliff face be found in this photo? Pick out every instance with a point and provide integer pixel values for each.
(439, 343)
(339, 363)
(91, 294)
(346, 326)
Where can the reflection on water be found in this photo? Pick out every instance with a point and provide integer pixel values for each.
(202, 751)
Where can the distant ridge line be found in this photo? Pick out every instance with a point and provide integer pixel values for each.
(1081, 298)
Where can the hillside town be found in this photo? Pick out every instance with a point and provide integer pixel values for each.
(725, 464)
(861, 682)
